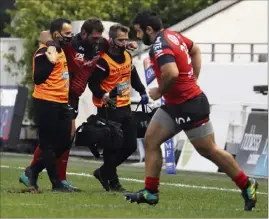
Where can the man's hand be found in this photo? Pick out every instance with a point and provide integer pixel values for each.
(107, 101)
(52, 54)
(155, 93)
(144, 99)
(132, 45)
(45, 37)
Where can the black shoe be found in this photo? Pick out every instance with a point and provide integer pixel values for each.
(249, 194)
(28, 179)
(103, 182)
(115, 186)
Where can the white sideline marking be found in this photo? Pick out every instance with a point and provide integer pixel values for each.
(142, 181)
(24, 204)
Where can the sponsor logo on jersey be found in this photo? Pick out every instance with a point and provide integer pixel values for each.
(173, 38)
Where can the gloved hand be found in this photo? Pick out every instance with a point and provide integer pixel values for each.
(144, 99)
(109, 101)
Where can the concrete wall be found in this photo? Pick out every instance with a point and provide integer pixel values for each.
(10, 46)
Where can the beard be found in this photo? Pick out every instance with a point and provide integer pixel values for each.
(146, 40)
(87, 45)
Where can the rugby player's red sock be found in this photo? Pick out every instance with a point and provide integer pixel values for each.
(62, 164)
(36, 156)
(241, 180)
(152, 184)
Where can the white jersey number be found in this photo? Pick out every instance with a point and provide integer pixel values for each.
(184, 48)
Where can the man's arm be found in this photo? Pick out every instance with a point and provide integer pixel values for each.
(195, 54)
(169, 71)
(43, 67)
(100, 72)
(168, 77)
(136, 82)
(45, 38)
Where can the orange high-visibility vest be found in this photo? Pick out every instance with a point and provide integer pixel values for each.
(120, 77)
(56, 87)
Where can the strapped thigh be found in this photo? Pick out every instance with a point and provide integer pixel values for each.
(163, 118)
(200, 132)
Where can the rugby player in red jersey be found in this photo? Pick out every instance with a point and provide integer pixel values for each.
(176, 62)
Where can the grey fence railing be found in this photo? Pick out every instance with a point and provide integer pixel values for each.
(232, 49)
(257, 52)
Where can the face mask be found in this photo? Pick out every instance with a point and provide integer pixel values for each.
(116, 48)
(64, 40)
(122, 49)
(146, 40)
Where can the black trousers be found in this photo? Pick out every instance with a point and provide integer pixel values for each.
(115, 157)
(53, 122)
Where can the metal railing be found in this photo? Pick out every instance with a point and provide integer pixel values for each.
(253, 50)
(232, 52)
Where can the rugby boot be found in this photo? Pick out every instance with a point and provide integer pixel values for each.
(60, 187)
(249, 194)
(68, 183)
(28, 179)
(142, 196)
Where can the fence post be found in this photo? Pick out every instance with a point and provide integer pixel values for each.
(251, 52)
(232, 52)
(213, 52)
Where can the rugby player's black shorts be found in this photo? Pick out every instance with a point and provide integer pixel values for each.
(190, 114)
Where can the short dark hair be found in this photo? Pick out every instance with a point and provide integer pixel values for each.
(148, 18)
(113, 30)
(92, 24)
(57, 25)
